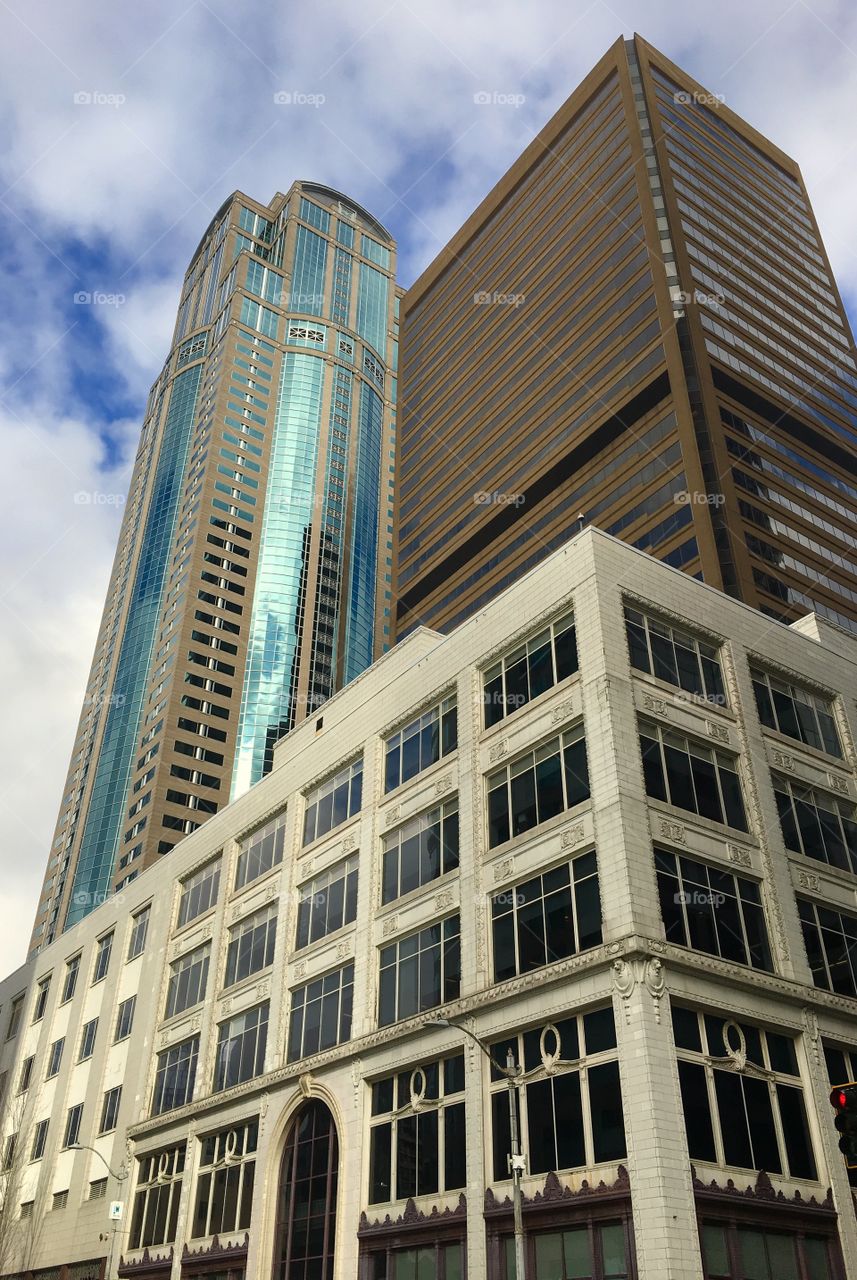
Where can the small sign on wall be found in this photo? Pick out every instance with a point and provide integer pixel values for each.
(115, 1210)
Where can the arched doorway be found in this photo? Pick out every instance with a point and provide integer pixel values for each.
(306, 1200)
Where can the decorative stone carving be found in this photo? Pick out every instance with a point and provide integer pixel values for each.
(392, 815)
(783, 760)
(412, 1216)
(657, 706)
(741, 857)
(263, 989)
(656, 982)
(810, 1021)
(498, 750)
(504, 869)
(226, 1006)
(305, 1084)
(356, 1080)
(343, 951)
(443, 785)
(624, 982)
(349, 843)
(808, 880)
(300, 969)
(237, 908)
(837, 783)
(389, 926)
(564, 711)
(444, 899)
(196, 1022)
(673, 831)
(572, 835)
(718, 731)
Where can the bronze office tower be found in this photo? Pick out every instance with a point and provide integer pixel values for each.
(249, 580)
(638, 326)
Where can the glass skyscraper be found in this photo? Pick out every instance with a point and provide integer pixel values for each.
(252, 574)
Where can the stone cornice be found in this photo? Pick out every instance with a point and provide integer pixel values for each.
(414, 1217)
(763, 1191)
(555, 1192)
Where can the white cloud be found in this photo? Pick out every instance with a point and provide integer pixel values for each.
(115, 195)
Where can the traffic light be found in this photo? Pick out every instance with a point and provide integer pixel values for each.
(843, 1099)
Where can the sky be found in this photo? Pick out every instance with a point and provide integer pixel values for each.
(126, 126)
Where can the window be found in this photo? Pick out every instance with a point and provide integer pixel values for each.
(26, 1074)
(60, 1200)
(27, 1207)
(529, 670)
(537, 786)
(691, 776)
(74, 1115)
(251, 945)
(421, 743)
(139, 929)
(795, 712)
(87, 1040)
(417, 1136)
(712, 910)
(328, 902)
(571, 1114)
(40, 1138)
(199, 892)
(110, 1110)
(830, 937)
(420, 972)
(9, 1151)
(817, 824)
(241, 1045)
(436, 1261)
(98, 1189)
(224, 1184)
(261, 851)
(598, 1250)
(547, 918)
(55, 1058)
(733, 1252)
(102, 958)
(42, 991)
(420, 850)
(156, 1200)
(334, 801)
(175, 1076)
(15, 1017)
(69, 985)
(674, 656)
(749, 1116)
(321, 1013)
(125, 1018)
(188, 980)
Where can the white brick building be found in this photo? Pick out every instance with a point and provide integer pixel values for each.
(641, 937)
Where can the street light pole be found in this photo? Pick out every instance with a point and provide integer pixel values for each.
(120, 1177)
(517, 1161)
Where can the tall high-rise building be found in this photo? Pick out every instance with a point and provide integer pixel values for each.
(639, 329)
(249, 580)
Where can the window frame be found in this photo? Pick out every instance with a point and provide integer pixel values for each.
(442, 714)
(240, 930)
(101, 965)
(349, 775)
(547, 636)
(693, 748)
(111, 1100)
(526, 763)
(683, 893)
(322, 884)
(764, 683)
(344, 992)
(643, 621)
(244, 1163)
(392, 1116)
(257, 1035)
(119, 1034)
(190, 1063)
(210, 872)
(419, 825)
(249, 864)
(196, 964)
(501, 910)
(143, 915)
(70, 978)
(448, 945)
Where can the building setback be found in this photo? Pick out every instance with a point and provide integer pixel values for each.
(246, 586)
(609, 823)
(639, 329)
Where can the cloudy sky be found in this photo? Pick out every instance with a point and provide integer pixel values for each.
(125, 128)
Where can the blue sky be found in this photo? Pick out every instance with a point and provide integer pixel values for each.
(126, 128)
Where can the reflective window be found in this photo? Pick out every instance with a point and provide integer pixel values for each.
(674, 656)
(421, 743)
(224, 1184)
(251, 945)
(69, 985)
(596, 1252)
(156, 1200)
(712, 910)
(817, 824)
(175, 1076)
(110, 1110)
(546, 918)
(87, 1040)
(419, 851)
(261, 851)
(830, 938)
(764, 1255)
(125, 1019)
(321, 1013)
(199, 892)
(54, 1058)
(42, 992)
(529, 670)
(188, 980)
(691, 776)
(416, 1140)
(241, 1043)
(333, 801)
(537, 786)
(795, 712)
(327, 902)
(420, 972)
(73, 1117)
(139, 930)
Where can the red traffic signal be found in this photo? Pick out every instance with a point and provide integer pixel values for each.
(843, 1099)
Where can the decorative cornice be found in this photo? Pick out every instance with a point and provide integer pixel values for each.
(763, 1190)
(216, 1252)
(145, 1263)
(555, 1193)
(411, 1216)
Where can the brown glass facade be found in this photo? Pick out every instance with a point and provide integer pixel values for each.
(639, 330)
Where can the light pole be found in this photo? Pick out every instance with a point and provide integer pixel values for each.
(517, 1161)
(120, 1177)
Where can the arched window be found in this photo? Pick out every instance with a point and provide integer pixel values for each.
(306, 1202)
